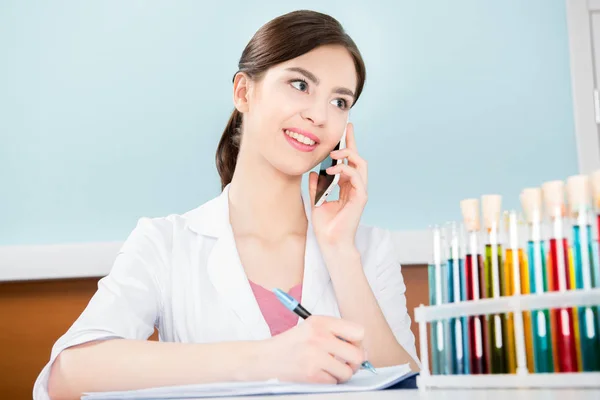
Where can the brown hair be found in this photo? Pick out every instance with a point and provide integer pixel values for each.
(282, 39)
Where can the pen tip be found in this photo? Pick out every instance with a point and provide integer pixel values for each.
(370, 367)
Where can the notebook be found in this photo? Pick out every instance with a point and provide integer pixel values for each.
(361, 381)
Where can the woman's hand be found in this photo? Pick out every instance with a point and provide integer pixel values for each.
(335, 222)
(313, 351)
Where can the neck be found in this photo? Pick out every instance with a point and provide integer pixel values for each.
(265, 202)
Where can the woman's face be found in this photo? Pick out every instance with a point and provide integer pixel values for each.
(296, 114)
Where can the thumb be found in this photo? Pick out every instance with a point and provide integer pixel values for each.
(312, 187)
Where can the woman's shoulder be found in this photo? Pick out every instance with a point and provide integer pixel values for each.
(157, 243)
(175, 226)
(163, 234)
(160, 228)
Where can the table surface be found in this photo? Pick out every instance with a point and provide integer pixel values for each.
(446, 394)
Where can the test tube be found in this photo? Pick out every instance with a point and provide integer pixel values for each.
(455, 269)
(595, 181)
(438, 295)
(478, 348)
(562, 319)
(580, 210)
(464, 297)
(493, 266)
(531, 201)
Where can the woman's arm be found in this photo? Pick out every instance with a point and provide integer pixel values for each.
(357, 303)
(336, 225)
(124, 364)
(302, 354)
(106, 349)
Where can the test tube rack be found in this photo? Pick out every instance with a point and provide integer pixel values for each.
(517, 305)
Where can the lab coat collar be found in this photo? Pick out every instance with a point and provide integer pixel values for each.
(227, 273)
(210, 218)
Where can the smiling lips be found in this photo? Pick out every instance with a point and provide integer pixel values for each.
(301, 140)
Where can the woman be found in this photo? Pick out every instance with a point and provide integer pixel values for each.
(204, 278)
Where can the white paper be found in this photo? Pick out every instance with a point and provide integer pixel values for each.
(362, 381)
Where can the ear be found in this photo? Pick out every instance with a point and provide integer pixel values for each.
(241, 92)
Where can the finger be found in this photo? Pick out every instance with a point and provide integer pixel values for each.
(323, 377)
(354, 160)
(347, 351)
(355, 179)
(350, 139)
(355, 367)
(347, 330)
(351, 155)
(338, 369)
(312, 187)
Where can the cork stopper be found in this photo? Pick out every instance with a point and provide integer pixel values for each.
(578, 193)
(595, 183)
(491, 205)
(531, 201)
(470, 213)
(554, 198)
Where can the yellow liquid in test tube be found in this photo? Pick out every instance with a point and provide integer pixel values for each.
(526, 289)
(511, 354)
(509, 290)
(575, 313)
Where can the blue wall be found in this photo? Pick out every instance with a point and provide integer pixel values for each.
(112, 110)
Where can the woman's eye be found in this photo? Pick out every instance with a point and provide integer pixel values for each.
(300, 85)
(341, 103)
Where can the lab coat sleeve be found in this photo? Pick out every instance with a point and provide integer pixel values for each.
(127, 302)
(389, 288)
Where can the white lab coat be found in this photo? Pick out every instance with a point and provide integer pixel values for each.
(182, 275)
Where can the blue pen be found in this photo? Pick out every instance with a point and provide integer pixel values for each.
(292, 304)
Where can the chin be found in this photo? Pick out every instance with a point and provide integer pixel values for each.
(291, 168)
(289, 161)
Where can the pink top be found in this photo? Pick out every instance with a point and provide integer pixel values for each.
(279, 318)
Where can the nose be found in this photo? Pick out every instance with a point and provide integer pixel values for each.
(316, 114)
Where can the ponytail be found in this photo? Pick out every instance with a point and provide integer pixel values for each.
(228, 148)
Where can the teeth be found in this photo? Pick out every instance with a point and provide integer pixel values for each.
(300, 138)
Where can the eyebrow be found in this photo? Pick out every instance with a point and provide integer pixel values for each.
(311, 77)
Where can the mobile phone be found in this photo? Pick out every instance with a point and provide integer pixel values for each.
(326, 182)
